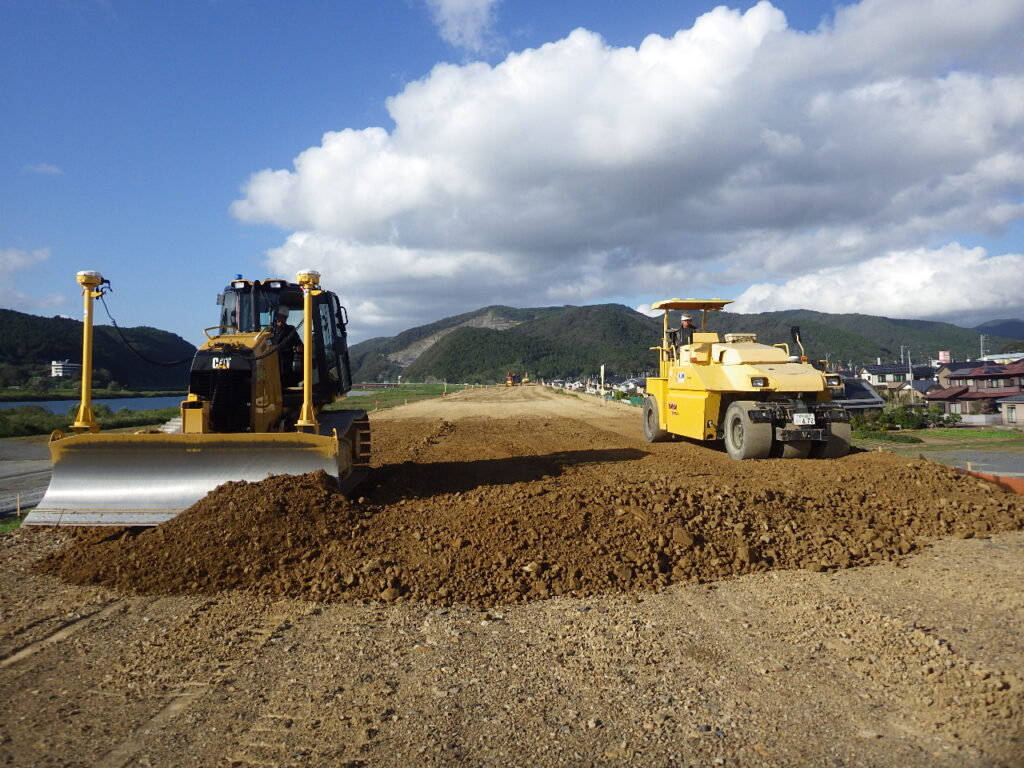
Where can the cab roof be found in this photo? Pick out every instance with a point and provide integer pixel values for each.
(708, 304)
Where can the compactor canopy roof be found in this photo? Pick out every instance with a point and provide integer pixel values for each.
(708, 304)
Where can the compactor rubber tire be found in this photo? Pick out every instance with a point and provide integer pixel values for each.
(653, 432)
(745, 439)
(797, 449)
(838, 443)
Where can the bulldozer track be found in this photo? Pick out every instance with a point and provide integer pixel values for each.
(190, 692)
(64, 631)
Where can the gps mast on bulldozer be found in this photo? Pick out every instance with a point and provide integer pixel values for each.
(254, 408)
(756, 398)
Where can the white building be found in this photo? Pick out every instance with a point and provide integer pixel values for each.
(63, 368)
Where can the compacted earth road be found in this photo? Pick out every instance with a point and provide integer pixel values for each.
(524, 581)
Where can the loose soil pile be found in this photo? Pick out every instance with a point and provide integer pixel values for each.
(456, 518)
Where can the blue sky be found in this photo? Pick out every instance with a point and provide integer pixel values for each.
(780, 154)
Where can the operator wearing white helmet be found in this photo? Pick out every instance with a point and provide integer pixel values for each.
(684, 333)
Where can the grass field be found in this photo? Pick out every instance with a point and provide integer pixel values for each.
(389, 398)
(966, 434)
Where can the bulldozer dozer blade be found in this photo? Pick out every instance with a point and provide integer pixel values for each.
(144, 479)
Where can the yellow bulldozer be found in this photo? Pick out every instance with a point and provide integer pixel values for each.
(255, 407)
(760, 400)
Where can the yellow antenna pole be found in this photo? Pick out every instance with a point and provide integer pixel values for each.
(309, 280)
(89, 280)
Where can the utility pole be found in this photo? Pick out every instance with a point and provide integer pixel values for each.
(982, 347)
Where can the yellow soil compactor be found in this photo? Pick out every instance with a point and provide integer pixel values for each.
(758, 399)
(254, 408)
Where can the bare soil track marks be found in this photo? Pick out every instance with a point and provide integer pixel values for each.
(524, 581)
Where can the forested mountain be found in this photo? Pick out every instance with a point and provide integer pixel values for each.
(481, 346)
(857, 339)
(1011, 329)
(29, 343)
(574, 341)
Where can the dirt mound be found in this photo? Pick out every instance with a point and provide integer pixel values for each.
(457, 513)
(242, 535)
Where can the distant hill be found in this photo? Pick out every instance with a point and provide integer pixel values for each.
(858, 339)
(29, 340)
(1011, 329)
(573, 341)
(482, 345)
(570, 341)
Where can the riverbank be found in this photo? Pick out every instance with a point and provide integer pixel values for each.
(23, 395)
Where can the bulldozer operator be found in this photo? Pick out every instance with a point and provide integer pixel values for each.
(286, 339)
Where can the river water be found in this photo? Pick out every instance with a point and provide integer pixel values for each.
(115, 404)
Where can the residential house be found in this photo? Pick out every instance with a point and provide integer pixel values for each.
(945, 370)
(859, 395)
(1012, 408)
(889, 377)
(913, 392)
(630, 386)
(1004, 358)
(976, 393)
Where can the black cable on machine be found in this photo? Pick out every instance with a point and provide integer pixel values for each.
(128, 343)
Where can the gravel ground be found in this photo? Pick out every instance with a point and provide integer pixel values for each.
(780, 654)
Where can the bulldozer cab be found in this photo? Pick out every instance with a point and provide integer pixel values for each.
(251, 306)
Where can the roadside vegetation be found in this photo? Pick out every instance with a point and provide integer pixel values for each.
(110, 392)
(35, 420)
(891, 425)
(930, 430)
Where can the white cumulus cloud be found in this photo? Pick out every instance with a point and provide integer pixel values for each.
(736, 151)
(947, 282)
(14, 261)
(463, 23)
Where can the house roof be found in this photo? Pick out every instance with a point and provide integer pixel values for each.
(995, 370)
(921, 385)
(949, 393)
(956, 365)
(920, 371)
(858, 393)
(1012, 399)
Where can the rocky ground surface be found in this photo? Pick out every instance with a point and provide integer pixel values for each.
(523, 581)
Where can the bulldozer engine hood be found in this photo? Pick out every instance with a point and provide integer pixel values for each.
(223, 360)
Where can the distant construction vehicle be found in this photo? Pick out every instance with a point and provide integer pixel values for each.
(254, 408)
(513, 379)
(761, 401)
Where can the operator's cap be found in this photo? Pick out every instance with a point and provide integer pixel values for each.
(687, 317)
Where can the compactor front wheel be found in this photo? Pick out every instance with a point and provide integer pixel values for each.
(837, 445)
(746, 439)
(653, 432)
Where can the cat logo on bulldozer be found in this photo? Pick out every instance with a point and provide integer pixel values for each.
(221, 363)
